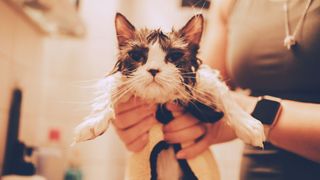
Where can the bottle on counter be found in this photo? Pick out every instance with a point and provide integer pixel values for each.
(51, 161)
(73, 172)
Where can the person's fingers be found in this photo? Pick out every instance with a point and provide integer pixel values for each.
(174, 107)
(186, 135)
(180, 122)
(130, 118)
(139, 143)
(131, 134)
(194, 149)
(132, 103)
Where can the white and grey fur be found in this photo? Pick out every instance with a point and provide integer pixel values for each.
(160, 68)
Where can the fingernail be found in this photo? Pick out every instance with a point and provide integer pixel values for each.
(181, 155)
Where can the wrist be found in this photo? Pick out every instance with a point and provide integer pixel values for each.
(267, 111)
(246, 102)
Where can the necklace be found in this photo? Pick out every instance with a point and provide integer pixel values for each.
(290, 39)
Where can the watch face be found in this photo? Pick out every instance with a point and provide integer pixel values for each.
(266, 111)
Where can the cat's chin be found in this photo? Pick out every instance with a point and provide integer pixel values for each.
(154, 86)
(156, 93)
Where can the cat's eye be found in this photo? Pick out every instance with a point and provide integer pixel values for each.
(174, 56)
(136, 55)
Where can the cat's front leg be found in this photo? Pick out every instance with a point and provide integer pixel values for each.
(94, 126)
(212, 91)
(102, 111)
(247, 128)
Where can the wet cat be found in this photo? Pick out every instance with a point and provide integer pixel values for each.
(162, 67)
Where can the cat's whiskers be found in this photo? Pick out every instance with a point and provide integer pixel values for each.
(187, 96)
(125, 87)
(183, 94)
(193, 89)
(123, 91)
(130, 79)
(188, 72)
(126, 84)
(115, 100)
(183, 73)
(193, 77)
(167, 82)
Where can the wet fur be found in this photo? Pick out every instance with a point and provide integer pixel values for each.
(169, 42)
(183, 80)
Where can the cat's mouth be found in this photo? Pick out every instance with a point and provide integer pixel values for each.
(154, 83)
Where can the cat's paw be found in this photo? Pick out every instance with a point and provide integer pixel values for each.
(251, 132)
(90, 129)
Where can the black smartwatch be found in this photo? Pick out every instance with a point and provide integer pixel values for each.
(267, 111)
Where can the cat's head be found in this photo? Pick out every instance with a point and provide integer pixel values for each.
(156, 65)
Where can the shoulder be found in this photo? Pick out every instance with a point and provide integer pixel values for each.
(223, 8)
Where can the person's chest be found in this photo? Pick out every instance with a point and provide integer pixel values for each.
(257, 58)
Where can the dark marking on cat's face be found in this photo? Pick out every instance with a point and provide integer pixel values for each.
(166, 55)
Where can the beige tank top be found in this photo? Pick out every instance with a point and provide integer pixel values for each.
(257, 58)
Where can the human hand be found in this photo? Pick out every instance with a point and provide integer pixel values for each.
(133, 122)
(186, 128)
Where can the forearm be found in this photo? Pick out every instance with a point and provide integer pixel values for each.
(297, 129)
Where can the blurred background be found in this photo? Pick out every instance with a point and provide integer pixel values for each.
(51, 54)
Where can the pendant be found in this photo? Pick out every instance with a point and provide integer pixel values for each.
(289, 41)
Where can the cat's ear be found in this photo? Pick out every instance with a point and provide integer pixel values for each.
(125, 30)
(192, 31)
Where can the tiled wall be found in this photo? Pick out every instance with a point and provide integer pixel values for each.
(70, 67)
(54, 74)
(20, 59)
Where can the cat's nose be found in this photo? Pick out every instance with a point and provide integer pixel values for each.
(154, 72)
